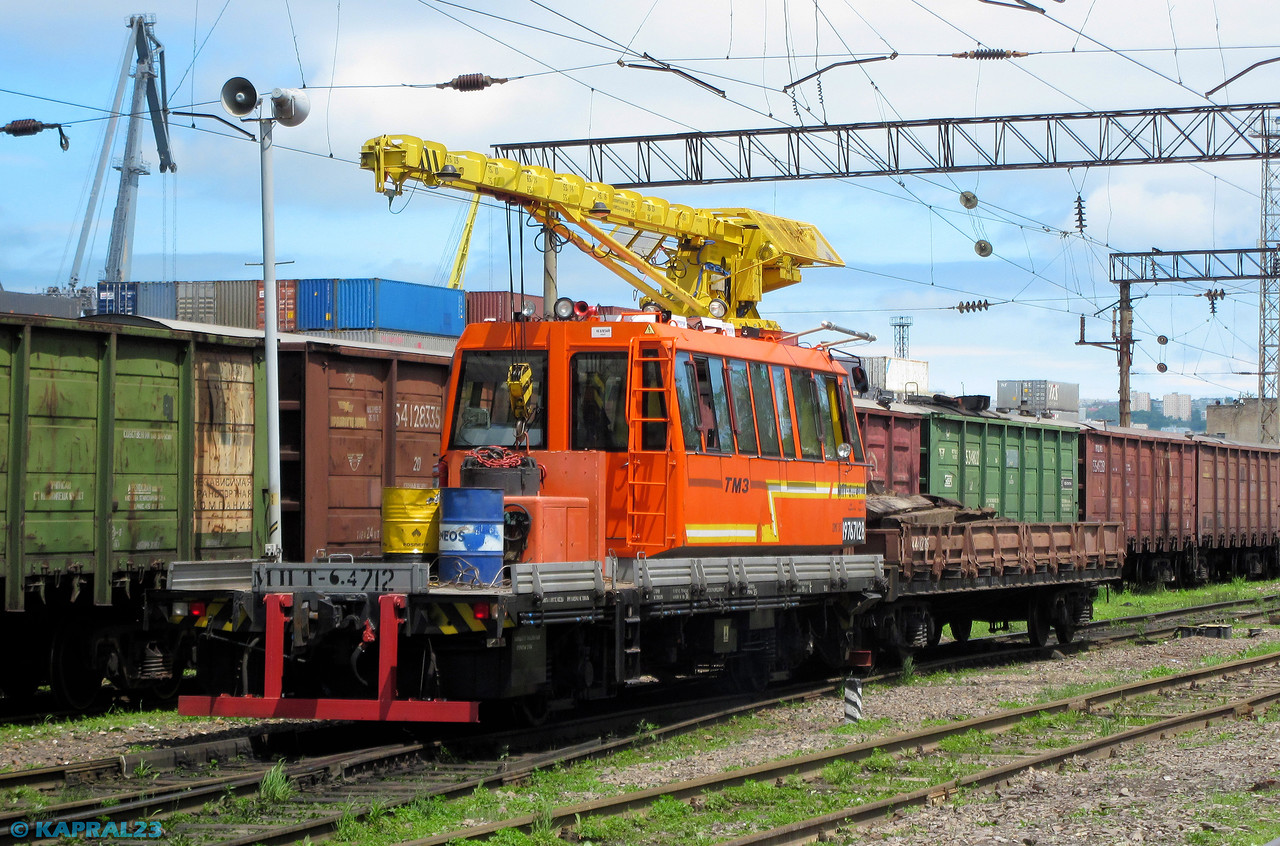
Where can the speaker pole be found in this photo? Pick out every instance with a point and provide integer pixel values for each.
(271, 317)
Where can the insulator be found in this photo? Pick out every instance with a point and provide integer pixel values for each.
(990, 53)
(1080, 213)
(471, 82)
(22, 127)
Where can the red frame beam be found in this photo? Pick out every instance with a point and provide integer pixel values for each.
(385, 708)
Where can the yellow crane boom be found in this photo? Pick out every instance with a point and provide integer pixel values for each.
(464, 246)
(693, 262)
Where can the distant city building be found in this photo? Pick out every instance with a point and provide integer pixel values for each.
(1177, 406)
(1139, 401)
(1235, 420)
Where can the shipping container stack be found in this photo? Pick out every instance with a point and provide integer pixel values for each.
(381, 311)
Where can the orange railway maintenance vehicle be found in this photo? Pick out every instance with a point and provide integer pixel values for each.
(671, 492)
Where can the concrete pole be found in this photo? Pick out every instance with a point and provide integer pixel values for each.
(1125, 348)
(272, 363)
(549, 289)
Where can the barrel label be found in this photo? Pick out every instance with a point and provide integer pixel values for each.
(470, 537)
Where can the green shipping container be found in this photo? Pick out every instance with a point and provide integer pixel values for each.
(1025, 470)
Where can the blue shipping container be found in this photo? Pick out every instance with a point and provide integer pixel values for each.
(399, 306)
(158, 299)
(316, 304)
(117, 298)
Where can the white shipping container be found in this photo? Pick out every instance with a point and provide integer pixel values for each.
(897, 375)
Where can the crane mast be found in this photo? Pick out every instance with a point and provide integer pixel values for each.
(144, 52)
(716, 263)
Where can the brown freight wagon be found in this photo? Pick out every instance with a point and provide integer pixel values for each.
(1146, 481)
(1194, 509)
(891, 441)
(354, 418)
(1238, 494)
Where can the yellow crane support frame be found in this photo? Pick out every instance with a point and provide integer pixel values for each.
(680, 258)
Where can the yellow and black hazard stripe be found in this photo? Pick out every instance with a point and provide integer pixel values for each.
(219, 615)
(450, 618)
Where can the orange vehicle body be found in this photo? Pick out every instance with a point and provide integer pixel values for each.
(710, 443)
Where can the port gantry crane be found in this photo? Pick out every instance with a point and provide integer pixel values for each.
(695, 263)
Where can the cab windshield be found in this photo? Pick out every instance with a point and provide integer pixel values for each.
(482, 415)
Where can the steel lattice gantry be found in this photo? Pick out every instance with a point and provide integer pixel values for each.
(1269, 289)
(941, 145)
(1192, 265)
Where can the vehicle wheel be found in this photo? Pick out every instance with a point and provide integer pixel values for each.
(1065, 632)
(76, 685)
(533, 710)
(935, 632)
(1038, 622)
(168, 690)
(961, 628)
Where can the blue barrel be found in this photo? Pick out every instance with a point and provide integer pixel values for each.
(471, 536)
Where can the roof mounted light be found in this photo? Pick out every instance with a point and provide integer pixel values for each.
(598, 210)
(718, 308)
(563, 309)
(526, 310)
(843, 451)
(448, 173)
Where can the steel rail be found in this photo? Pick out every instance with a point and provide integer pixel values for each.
(808, 830)
(926, 738)
(79, 772)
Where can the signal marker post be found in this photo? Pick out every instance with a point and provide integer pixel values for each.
(852, 700)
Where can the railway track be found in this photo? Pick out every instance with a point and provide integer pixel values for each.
(1248, 685)
(182, 785)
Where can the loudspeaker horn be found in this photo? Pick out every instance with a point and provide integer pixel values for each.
(290, 106)
(239, 97)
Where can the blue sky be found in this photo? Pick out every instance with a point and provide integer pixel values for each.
(908, 246)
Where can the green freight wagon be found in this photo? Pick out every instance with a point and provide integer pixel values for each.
(1022, 468)
(127, 445)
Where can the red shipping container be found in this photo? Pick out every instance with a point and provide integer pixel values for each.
(499, 306)
(286, 304)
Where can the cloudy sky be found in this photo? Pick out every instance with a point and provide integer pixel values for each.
(370, 67)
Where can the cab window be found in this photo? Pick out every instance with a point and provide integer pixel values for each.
(744, 420)
(598, 384)
(687, 400)
(766, 417)
(785, 428)
(483, 414)
(704, 404)
(804, 393)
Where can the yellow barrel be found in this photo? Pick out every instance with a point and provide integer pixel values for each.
(410, 522)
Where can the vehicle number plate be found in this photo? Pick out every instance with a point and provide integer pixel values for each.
(854, 530)
(379, 578)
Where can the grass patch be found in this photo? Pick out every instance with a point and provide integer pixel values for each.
(972, 742)
(113, 721)
(276, 789)
(1132, 602)
(1235, 819)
